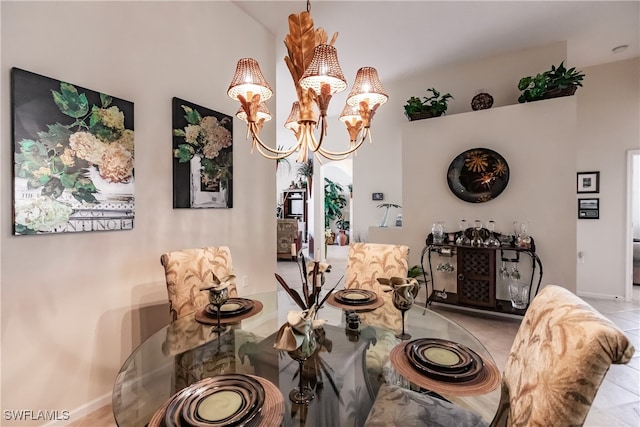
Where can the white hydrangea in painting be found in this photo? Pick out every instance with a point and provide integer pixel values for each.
(74, 161)
(42, 213)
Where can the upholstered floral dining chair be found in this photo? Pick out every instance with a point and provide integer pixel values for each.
(559, 357)
(185, 272)
(366, 263)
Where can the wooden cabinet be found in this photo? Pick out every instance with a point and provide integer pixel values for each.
(475, 272)
(477, 276)
(295, 206)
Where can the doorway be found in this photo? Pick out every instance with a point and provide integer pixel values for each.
(633, 227)
(340, 175)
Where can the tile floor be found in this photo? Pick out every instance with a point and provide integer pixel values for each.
(617, 403)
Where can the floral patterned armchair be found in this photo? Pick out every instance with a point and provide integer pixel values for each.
(187, 269)
(559, 357)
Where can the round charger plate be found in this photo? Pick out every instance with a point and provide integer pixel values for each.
(272, 412)
(443, 375)
(377, 303)
(487, 380)
(225, 400)
(442, 355)
(355, 296)
(202, 316)
(478, 175)
(233, 307)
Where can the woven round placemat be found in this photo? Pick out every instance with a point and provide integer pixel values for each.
(356, 307)
(272, 412)
(271, 415)
(203, 317)
(487, 380)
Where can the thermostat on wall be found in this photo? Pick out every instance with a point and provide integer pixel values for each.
(377, 196)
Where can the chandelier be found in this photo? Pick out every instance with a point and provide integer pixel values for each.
(312, 61)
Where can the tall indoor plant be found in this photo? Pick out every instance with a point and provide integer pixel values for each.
(334, 201)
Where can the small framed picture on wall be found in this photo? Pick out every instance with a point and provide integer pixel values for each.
(588, 208)
(588, 182)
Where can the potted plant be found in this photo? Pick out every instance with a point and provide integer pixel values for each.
(417, 273)
(343, 226)
(334, 201)
(558, 81)
(432, 106)
(305, 171)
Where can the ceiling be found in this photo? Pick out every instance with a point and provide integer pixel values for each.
(400, 38)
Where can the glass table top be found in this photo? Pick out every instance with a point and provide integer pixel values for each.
(345, 373)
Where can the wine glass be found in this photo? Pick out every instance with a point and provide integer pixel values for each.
(437, 230)
(302, 394)
(491, 240)
(218, 297)
(477, 227)
(403, 297)
(462, 239)
(515, 274)
(504, 272)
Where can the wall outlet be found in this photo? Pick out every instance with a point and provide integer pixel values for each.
(245, 281)
(580, 257)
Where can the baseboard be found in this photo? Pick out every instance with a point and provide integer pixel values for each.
(82, 411)
(600, 296)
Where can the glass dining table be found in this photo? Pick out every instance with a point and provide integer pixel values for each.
(345, 374)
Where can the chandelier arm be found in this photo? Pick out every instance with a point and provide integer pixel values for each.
(264, 148)
(268, 155)
(341, 155)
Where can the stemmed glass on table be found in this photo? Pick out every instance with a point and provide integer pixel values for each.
(404, 295)
(302, 394)
(218, 297)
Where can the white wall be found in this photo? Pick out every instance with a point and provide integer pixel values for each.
(608, 126)
(75, 305)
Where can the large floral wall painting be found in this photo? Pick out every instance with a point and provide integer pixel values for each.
(202, 157)
(73, 152)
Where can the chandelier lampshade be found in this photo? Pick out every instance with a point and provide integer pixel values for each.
(367, 87)
(351, 117)
(324, 70)
(292, 120)
(350, 113)
(248, 81)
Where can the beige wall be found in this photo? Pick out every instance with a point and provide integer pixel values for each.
(377, 167)
(75, 305)
(538, 142)
(608, 126)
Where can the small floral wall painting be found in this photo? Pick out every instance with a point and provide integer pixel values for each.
(73, 157)
(202, 157)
